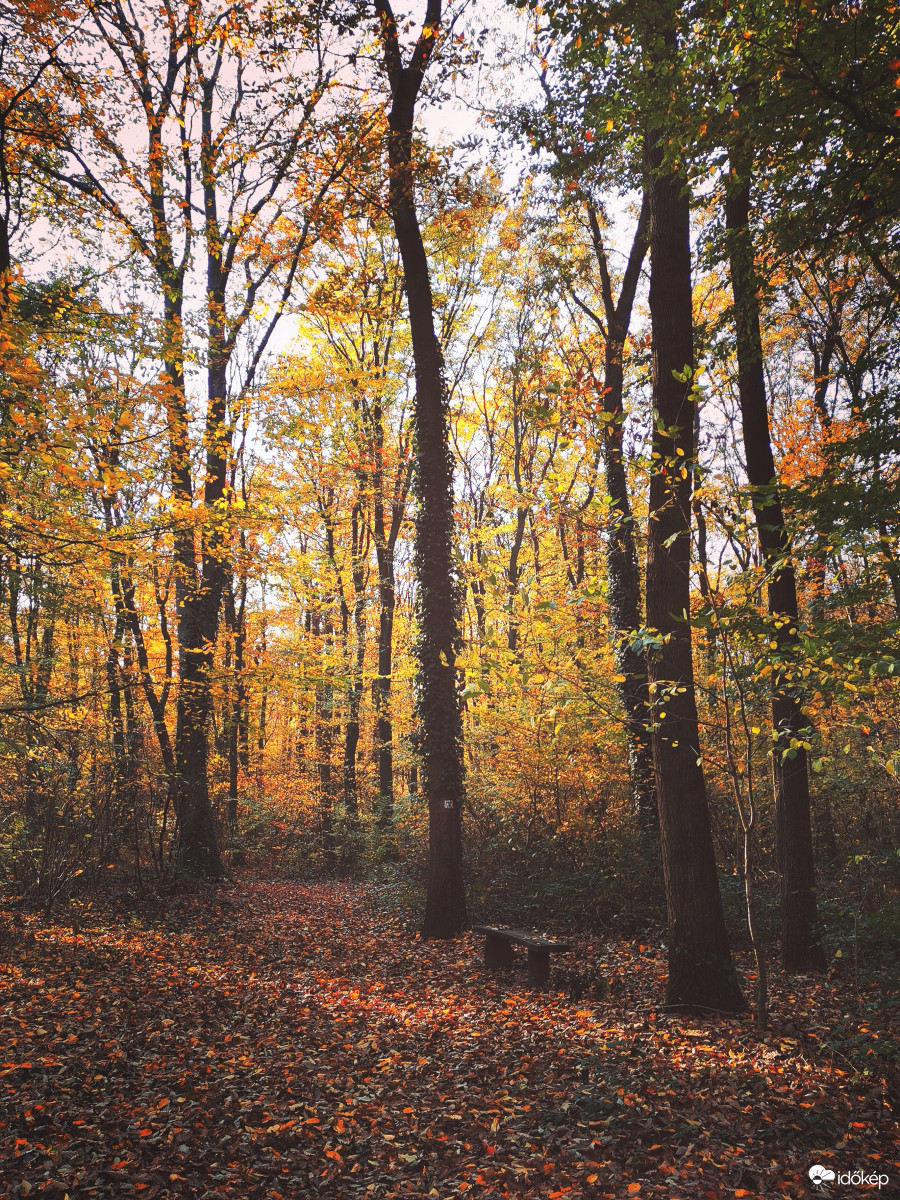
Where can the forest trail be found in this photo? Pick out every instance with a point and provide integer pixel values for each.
(290, 1041)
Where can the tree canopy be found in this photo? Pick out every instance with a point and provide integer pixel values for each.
(495, 490)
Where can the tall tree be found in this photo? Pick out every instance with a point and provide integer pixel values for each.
(623, 574)
(561, 129)
(438, 706)
(801, 948)
(641, 73)
(700, 967)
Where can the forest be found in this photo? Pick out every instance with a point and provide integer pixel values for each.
(449, 474)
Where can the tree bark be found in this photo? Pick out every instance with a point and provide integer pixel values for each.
(353, 659)
(623, 576)
(700, 968)
(801, 949)
(385, 533)
(438, 705)
(384, 734)
(324, 737)
(358, 551)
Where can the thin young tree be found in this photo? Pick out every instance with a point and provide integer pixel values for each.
(623, 574)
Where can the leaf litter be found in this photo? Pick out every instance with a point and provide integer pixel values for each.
(284, 1041)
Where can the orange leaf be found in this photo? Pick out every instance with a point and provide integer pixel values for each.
(633, 1187)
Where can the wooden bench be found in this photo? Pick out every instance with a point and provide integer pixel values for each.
(498, 950)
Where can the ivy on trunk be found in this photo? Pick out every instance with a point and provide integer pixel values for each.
(438, 708)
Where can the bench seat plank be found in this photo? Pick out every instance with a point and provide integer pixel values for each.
(521, 937)
(498, 943)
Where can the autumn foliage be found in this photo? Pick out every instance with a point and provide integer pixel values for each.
(449, 472)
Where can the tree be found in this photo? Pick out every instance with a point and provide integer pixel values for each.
(586, 165)
(195, 89)
(438, 707)
(357, 310)
(625, 601)
(700, 969)
(641, 64)
(827, 124)
(801, 948)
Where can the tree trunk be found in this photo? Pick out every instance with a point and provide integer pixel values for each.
(325, 740)
(700, 968)
(801, 949)
(196, 844)
(438, 706)
(33, 686)
(156, 702)
(261, 725)
(116, 719)
(384, 734)
(359, 549)
(196, 838)
(624, 580)
(231, 715)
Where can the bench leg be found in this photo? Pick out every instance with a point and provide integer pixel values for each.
(497, 952)
(538, 967)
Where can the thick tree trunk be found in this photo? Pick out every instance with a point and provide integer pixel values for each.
(700, 968)
(351, 745)
(199, 596)
(196, 837)
(801, 949)
(438, 705)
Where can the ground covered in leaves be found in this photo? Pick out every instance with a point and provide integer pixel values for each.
(286, 1041)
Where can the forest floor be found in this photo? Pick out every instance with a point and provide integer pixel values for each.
(277, 1040)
